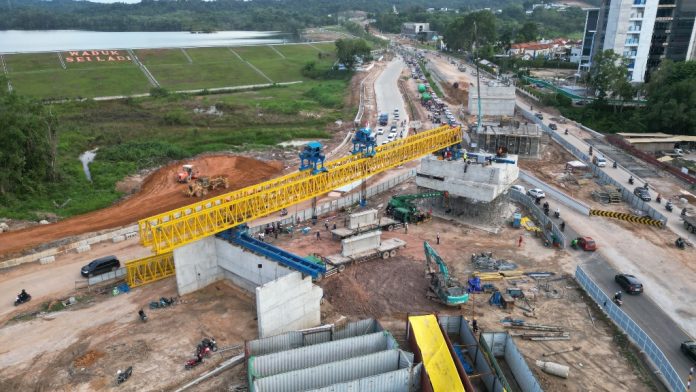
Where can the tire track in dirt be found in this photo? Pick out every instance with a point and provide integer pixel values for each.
(158, 193)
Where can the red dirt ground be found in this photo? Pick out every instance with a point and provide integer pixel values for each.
(159, 193)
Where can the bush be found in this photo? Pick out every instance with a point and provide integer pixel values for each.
(176, 117)
(328, 95)
(159, 92)
(142, 153)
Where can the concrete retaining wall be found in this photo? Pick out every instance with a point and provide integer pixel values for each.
(242, 267)
(287, 304)
(196, 265)
(361, 243)
(362, 219)
(129, 232)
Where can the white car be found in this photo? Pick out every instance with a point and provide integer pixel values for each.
(384, 142)
(391, 136)
(380, 131)
(518, 188)
(536, 193)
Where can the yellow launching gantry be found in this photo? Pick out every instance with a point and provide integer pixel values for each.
(167, 231)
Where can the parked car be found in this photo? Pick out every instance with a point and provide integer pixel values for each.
(539, 116)
(689, 349)
(642, 193)
(587, 244)
(629, 283)
(100, 266)
(380, 131)
(518, 188)
(553, 126)
(536, 193)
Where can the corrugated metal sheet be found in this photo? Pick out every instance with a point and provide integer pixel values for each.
(514, 359)
(331, 373)
(295, 339)
(304, 357)
(396, 381)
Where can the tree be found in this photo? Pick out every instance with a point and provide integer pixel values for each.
(608, 73)
(672, 98)
(28, 145)
(528, 32)
(347, 50)
(460, 33)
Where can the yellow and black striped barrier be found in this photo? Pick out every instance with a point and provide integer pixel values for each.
(627, 217)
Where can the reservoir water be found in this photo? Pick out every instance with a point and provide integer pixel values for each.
(62, 40)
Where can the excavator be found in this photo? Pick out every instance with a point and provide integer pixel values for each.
(443, 288)
(402, 208)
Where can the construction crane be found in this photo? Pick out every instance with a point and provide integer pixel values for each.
(167, 231)
(443, 287)
(401, 207)
(312, 157)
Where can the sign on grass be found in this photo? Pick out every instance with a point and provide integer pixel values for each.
(95, 56)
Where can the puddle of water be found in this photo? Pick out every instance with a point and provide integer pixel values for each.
(86, 158)
(294, 143)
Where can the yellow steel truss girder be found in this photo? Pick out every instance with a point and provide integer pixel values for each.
(149, 269)
(170, 230)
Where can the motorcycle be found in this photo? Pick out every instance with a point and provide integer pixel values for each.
(206, 346)
(630, 180)
(19, 300)
(143, 316)
(615, 165)
(557, 214)
(121, 377)
(566, 131)
(192, 363)
(162, 303)
(668, 206)
(680, 243)
(618, 301)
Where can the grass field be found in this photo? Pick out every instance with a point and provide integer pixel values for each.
(40, 74)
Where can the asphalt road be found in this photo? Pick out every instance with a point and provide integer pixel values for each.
(389, 98)
(646, 313)
(662, 329)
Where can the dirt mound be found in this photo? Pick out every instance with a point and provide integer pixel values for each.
(159, 193)
(87, 359)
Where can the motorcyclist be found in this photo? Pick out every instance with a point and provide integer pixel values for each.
(562, 226)
(615, 165)
(142, 315)
(630, 180)
(590, 150)
(566, 131)
(23, 296)
(683, 213)
(617, 296)
(658, 198)
(668, 205)
(546, 205)
(680, 243)
(574, 243)
(645, 185)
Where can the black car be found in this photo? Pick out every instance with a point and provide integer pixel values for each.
(689, 349)
(553, 126)
(100, 266)
(539, 116)
(642, 193)
(629, 283)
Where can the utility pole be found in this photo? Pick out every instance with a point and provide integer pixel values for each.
(474, 50)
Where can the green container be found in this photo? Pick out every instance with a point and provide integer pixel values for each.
(421, 88)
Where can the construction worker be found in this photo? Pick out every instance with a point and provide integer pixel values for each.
(326, 224)
(318, 235)
(405, 227)
(438, 238)
(574, 243)
(519, 242)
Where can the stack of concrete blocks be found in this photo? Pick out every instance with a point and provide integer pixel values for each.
(362, 219)
(361, 243)
(497, 99)
(288, 303)
(476, 182)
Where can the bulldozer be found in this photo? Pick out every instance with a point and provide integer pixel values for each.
(201, 185)
(186, 174)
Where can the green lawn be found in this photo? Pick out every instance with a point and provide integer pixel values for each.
(161, 56)
(84, 82)
(326, 46)
(31, 62)
(41, 75)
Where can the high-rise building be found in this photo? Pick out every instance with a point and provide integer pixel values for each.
(643, 31)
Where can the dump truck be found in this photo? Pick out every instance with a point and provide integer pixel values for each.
(365, 221)
(365, 247)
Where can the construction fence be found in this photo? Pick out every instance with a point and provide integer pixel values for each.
(634, 201)
(635, 333)
(302, 216)
(548, 227)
